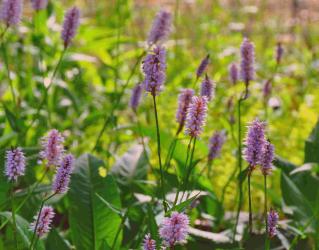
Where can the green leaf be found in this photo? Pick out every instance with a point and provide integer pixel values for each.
(153, 228)
(55, 241)
(312, 145)
(91, 221)
(23, 230)
(284, 165)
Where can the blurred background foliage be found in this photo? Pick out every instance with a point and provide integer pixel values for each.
(111, 37)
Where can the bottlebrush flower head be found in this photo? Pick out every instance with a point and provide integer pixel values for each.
(63, 175)
(148, 243)
(254, 142)
(216, 143)
(15, 164)
(207, 88)
(11, 12)
(161, 27)
(154, 68)
(233, 73)
(272, 223)
(202, 67)
(136, 96)
(267, 158)
(44, 221)
(184, 100)
(279, 52)
(247, 67)
(70, 25)
(174, 230)
(39, 4)
(196, 116)
(52, 148)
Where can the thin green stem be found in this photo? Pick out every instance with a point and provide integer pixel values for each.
(265, 213)
(119, 229)
(250, 209)
(227, 185)
(14, 224)
(159, 152)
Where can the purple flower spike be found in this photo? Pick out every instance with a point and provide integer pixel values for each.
(11, 12)
(148, 243)
(196, 116)
(184, 100)
(161, 27)
(70, 25)
(233, 73)
(272, 223)
(267, 158)
(154, 68)
(63, 175)
(136, 96)
(216, 143)
(202, 67)
(39, 4)
(174, 230)
(247, 67)
(255, 141)
(52, 148)
(208, 88)
(15, 164)
(279, 52)
(44, 222)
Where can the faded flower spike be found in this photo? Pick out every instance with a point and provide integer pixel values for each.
(52, 148)
(233, 73)
(70, 25)
(174, 230)
(196, 116)
(148, 243)
(247, 66)
(136, 96)
(202, 67)
(272, 223)
(11, 11)
(267, 158)
(39, 4)
(216, 143)
(207, 88)
(184, 100)
(161, 27)
(154, 68)
(15, 164)
(254, 142)
(42, 222)
(63, 175)
(279, 52)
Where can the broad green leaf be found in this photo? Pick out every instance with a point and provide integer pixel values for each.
(312, 146)
(91, 221)
(23, 230)
(55, 241)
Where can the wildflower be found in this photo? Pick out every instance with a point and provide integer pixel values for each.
(63, 175)
(202, 67)
(254, 141)
(215, 144)
(247, 69)
(45, 218)
(148, 243)
(279, 52)
(233, 73)
(174, 230)
(15, 164)
(11, 12)
(267, 158)
(161, 27)
(136, 96)
(52, 148)
(70, 25)
(184, 100)
(196, 116)
(39, 4)
(208, 88)
(272, 223)
(154, 68)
